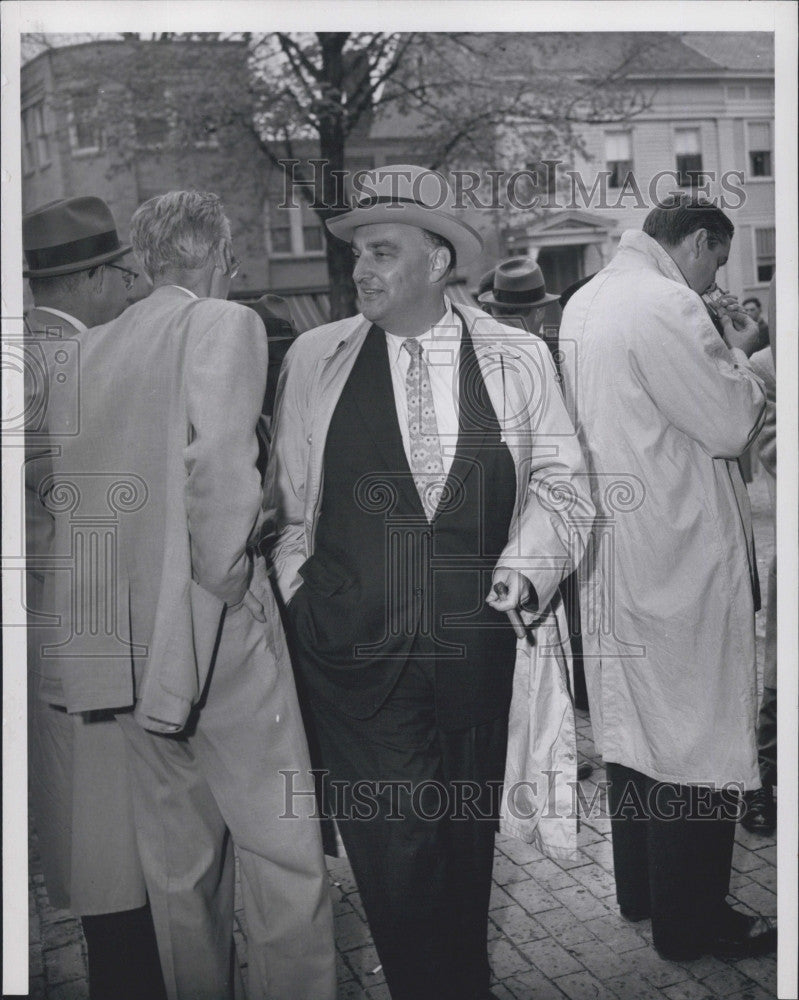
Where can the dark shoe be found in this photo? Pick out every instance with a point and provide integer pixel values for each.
(760, 811)
(584, 770)
(680, 955)
(745, 936)
(634, 916)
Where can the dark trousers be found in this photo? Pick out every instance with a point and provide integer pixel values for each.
(123, 956)
(672, 855)
(767, 737)
(421, 846)
(767, 720)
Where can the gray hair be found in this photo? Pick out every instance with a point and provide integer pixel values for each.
(177, 231)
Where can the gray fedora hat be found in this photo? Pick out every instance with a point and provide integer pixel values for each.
(68, 235)
(411, 196)
(518, 281)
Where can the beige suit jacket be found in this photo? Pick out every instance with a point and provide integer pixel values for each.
(155, 495)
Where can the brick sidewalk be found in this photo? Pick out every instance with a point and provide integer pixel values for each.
(554, 927)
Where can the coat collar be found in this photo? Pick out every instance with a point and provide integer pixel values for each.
(42, 319)
(352, 329)
(488, 336)
(635, 243)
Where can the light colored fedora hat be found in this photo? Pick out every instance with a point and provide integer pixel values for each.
(412, 196)
(68, 235)
(518, 281)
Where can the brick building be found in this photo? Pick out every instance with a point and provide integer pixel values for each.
(710, 121)
(102, 117)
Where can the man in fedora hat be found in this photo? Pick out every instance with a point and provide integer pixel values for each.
(80, 790)
(74, 265)
(518, 291)
(189, 650)
(404, 476)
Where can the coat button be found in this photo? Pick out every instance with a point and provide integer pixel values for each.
(308, 439)
(419, 591)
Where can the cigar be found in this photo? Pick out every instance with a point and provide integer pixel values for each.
(501, 590)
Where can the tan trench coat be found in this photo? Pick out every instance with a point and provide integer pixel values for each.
(663, 410)
(545, 537)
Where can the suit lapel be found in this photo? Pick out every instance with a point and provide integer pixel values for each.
(474, 411)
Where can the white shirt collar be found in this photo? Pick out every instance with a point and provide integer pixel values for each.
(188, 291)
(80, 327)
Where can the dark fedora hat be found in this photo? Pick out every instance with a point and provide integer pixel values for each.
(413, 196)
(68, 235)
(518, 282)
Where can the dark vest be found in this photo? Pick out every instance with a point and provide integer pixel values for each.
(383, 585)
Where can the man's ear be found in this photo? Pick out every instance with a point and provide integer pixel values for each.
(96, 280)
(699, 242)
(440, 260)
(223, 256)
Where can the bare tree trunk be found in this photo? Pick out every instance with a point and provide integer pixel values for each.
(342, 290)
(332, 142)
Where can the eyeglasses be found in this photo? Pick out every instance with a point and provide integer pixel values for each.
(128, 276)
(235, 264)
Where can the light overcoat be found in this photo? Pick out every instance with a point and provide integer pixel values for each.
(545, 537)
(663, 409)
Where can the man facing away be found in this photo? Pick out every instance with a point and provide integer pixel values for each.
(412, 444)
(664, 407)
(79, 785)
(159, 480)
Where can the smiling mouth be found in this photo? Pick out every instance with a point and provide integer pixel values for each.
(369, 292)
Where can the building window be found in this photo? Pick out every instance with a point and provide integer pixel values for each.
(312, 239)
(84, 129)
(295, 232)
(765, 253)
(689, 156)
(205, 133)
(760, 145)
(35, 141)
(28, 144)
(280, 236)
(151, 130)
(618, 157)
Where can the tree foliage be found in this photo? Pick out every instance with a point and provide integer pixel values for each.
(480, 101)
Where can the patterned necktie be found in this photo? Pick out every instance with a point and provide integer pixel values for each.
(426, 462)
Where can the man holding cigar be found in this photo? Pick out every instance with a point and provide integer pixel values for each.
(434, 432)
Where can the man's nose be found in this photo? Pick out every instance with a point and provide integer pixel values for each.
(360, 269)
